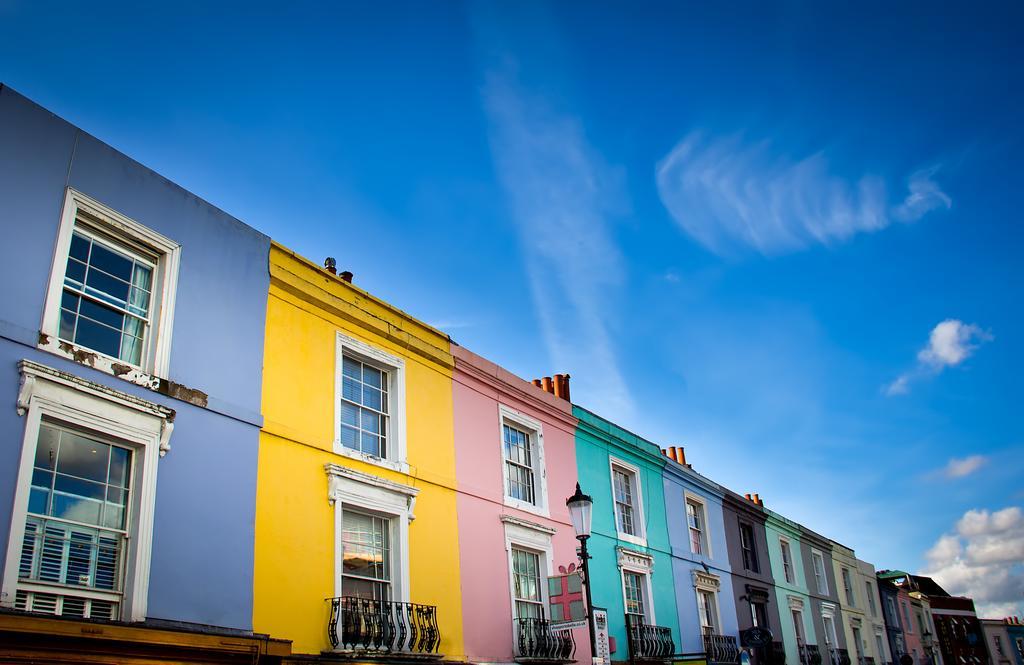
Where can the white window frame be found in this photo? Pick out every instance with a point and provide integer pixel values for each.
(820, 582)
(828, 619)
(880, 644)
(711, 584)
(872, 604)
(640, 538)
(362, 492)
(849, 593)
(690, 497)
(796, 615)
(156, 363)
(643, 565)
(394, 369)
(535, 430)
(534, 538)
(788, 570)
(136, 423)
(754, 558)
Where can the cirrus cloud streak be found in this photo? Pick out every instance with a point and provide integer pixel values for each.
(730, 194)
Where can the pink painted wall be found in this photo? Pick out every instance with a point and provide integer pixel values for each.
(479, 387)
(913, 639)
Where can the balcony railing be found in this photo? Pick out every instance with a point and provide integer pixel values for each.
(646, 641)
(839, 656)
(720, 649)
(364, 626)
(535, 640)
(810, 655)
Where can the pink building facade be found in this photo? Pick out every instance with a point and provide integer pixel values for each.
(515, 464)
(911, 626)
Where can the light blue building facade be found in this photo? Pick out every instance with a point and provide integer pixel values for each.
(700, 561)
(131, 338)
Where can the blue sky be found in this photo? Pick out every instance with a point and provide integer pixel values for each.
(786, 237)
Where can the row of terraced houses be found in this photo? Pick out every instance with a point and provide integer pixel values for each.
(216, 450)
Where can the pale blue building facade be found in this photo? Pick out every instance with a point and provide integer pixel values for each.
(700, 560)
(131, 340)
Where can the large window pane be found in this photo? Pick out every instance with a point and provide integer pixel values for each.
(364, 407)
(366, 555)
(112, 318)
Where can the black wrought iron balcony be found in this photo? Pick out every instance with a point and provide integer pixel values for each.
(536, 641)
(646, 641)
(810, 655)
(839, 656)
(361, 626)
(720, 649)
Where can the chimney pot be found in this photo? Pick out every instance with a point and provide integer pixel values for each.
(747, 497)
(681, 455)
(757, 499)
(330, 265)
(346, 276)
(537, 383)
(559, 386)
(548, 388)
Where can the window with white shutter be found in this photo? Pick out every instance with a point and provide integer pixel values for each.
(83, 506)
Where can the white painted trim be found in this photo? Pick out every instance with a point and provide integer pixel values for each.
(361, 491)
(698, 499)
(643, 565)
(639, 521)
(394, 367)
(708, 583)
(131, 421)
(526, 524)
(524, 535)
(165, 281)
(824, 572)
(782, 559)
(540, 474)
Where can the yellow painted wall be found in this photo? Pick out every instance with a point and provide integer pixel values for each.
(295, 539)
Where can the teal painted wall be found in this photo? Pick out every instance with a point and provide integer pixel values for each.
(598, 442)
(777, 527)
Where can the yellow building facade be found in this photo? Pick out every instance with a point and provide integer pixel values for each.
(356, 479)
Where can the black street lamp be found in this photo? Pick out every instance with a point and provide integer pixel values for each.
(580, 509)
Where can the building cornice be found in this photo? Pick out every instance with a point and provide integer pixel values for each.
(686, 474)
(527, 524)
(643, 448)
(304, 280)
(526, 393)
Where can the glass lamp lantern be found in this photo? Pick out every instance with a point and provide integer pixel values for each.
(580, 511)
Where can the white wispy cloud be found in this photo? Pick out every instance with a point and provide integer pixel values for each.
(562, 196)
(983, 558)
(950, 343)
(729, 193)
(958, 467)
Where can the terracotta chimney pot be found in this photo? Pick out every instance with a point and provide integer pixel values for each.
(547, 385)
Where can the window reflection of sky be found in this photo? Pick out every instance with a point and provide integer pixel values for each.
(79, 479)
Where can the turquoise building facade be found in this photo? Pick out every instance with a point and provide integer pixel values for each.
(631, 564)
(791, 591)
